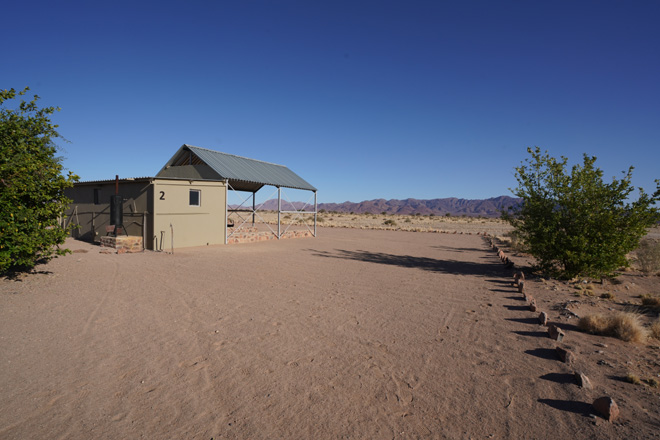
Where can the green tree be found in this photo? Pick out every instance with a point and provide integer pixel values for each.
(31, 185)
(576, 224)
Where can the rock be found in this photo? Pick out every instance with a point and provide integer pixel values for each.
(566, 356)
(532, 305)
(556, 333)
(607, 408)
(543, 318)
(521, 286)
(583, 381)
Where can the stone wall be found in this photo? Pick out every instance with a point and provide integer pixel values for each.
(251, 235)
(122, 243)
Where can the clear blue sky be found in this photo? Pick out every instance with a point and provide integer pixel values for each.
(363, 99)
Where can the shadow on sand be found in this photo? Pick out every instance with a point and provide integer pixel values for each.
(560, 378)
(424, 263)
(573, 406)
(543, 353)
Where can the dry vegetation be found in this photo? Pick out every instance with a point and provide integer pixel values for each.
(655, 329)
(414, 223)
(625, 326)
(647, 256)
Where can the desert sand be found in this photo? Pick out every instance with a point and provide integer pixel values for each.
(359, 334)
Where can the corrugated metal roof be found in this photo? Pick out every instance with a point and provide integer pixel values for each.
(242, 173)
(121, 180)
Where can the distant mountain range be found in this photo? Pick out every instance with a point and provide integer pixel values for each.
(456, 207)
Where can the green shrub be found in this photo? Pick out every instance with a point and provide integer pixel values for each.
(31, 185)
(575, 223)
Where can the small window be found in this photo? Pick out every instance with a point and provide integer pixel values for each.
(195, 197)
(96, 196)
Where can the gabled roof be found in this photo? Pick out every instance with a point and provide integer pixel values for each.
(243, 174)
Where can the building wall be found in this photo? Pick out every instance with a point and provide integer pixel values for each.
(150, 206)
(190, 225)
(93, 218)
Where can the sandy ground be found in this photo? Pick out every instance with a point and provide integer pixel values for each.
(354, 334)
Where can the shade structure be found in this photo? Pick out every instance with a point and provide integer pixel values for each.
(242, 173)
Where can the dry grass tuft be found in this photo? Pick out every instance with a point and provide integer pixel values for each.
(595, 324)
(625, 326)
(650, 301)
(633, 379)
(628, 327)
(655, 329)
(608, 295)
(648, 256)
(652, 382)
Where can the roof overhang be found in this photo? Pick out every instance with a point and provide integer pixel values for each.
(242, 174)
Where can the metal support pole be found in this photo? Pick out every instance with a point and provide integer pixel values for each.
(279, 210)
(254, 206)
(315, 211)
(226, 207)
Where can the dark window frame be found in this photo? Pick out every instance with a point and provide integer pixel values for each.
(198, 193)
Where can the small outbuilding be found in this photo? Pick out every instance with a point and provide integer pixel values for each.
(186, 203)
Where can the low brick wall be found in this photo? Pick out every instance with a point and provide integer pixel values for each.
(251, 235)
(123, 244)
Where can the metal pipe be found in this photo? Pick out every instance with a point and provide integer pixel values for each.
(144, 230)
(279, 210)
(172, 237)
(226, 207)
(315, 212)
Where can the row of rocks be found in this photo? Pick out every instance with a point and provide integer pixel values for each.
(605, 406)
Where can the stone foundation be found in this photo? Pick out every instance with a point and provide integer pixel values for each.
(252, 235)
(122, 243)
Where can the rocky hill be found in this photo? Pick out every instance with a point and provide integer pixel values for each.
(453, 206)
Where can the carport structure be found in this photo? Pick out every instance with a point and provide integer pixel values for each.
(243, 175)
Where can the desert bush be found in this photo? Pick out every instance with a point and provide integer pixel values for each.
(389, 222)
(633, 379)
(648, 255)
(574, 223)
(624, 326)
(652, 382)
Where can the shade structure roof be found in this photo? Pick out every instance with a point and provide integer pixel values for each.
(243, 174)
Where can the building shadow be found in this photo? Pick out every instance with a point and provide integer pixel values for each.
(430, 264)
